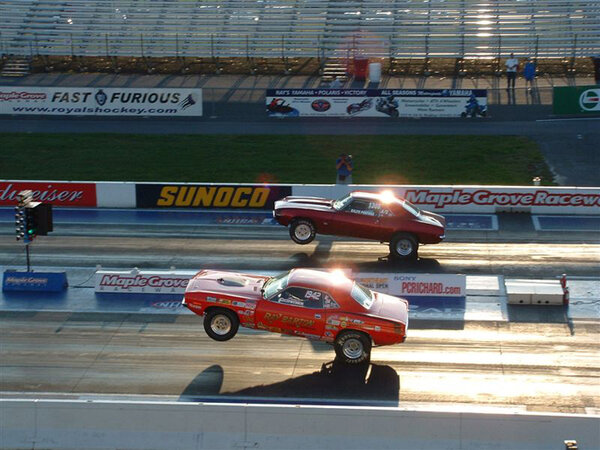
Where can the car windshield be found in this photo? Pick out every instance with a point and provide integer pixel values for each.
(412, 209)
(273, 285)
(362, 295)
(342, 202)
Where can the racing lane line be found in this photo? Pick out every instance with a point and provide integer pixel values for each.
(568, 119)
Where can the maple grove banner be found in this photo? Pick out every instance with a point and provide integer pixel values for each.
(376, 102)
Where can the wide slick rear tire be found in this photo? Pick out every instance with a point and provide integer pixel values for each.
(302, 231)
(221, 324)
(352, 347)
(404, 246)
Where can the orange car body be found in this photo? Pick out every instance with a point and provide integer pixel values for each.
(303, 302)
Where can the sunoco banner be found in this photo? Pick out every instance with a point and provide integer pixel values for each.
(376, 102)
(209, 196)
(100, 101)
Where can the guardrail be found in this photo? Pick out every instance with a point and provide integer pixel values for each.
(90, 424)
(256, 197)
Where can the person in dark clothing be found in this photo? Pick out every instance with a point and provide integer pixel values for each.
(344, 167)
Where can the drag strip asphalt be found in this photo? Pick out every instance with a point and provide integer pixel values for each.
(525, 366)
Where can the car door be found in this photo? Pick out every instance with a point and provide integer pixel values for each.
(296, 311)
(360, 218)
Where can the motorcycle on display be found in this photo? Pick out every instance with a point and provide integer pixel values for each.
(355, 108)
(473, 108)
(387, 105)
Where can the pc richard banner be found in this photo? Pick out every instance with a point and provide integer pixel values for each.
(376, 102)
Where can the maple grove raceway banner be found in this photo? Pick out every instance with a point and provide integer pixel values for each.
(57, 193)
(100, 101)
(376, 102)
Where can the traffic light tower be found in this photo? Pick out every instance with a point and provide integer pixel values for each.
(31, 219)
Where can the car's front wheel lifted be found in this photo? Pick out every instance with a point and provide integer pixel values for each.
(352, 347)
(404, 246)
(221, 324)
(302, 231)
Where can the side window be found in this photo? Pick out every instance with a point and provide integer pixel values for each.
(290, 296)
(362, 207)
(329, 302)
(307, 298)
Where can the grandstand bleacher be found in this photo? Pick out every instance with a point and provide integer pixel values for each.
(321, 29)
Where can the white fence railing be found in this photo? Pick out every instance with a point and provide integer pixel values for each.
(304, 28)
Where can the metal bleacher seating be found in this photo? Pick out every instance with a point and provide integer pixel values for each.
(300, 28)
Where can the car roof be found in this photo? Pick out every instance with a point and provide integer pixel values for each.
(332, 282)
(366, 195)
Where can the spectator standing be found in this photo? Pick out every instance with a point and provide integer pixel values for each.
(512, 64)
(335, 83)
(529, 73)
(344, 166)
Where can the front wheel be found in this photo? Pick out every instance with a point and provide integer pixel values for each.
(404, 246)
(353, 347)
(302, 231)
(221, 324)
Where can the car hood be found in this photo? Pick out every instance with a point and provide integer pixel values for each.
(315, 203)
(433, 218)
(227, 283)
(390, 308)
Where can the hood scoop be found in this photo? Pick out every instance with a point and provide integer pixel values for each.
(231, 281)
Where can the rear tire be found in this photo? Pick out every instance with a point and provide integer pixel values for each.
(353, 347)
(404, 246)
(302, 231)
(221, 324)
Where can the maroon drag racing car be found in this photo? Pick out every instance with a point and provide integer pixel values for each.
(368, 215)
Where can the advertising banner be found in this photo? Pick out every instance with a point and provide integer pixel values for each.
(56, 193)
(478, 199)
(34, 281)
(415, 284)
(576, 100)
(208, 196)
(376, 102)
(137, 282)
(100, 101)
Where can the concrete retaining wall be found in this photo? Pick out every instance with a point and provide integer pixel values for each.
(147, 425)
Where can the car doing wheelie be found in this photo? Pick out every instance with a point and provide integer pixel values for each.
(368, 215)
(314, 304)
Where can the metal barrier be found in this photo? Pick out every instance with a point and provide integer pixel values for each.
(304, 28)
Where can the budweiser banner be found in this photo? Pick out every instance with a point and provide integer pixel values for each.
(376, 102)
(142, 282)
(56, 193)
(100, 101)
(415, 284)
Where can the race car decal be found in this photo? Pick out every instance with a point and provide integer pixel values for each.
(291, 301)
(211, 299)
(224, 301)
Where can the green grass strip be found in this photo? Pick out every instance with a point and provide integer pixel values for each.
(392, 159)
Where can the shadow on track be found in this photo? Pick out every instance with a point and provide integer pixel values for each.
(336, 381)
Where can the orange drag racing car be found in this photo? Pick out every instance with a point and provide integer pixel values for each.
(314, 304)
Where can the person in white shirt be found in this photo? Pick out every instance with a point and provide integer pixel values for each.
(512, 64)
